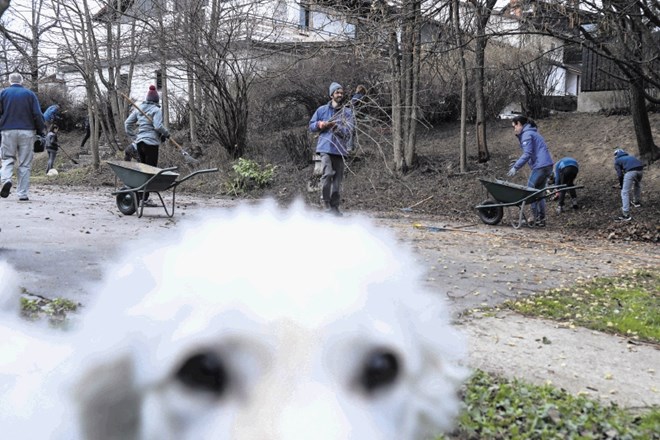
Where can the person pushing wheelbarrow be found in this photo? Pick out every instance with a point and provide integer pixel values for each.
(537, 155)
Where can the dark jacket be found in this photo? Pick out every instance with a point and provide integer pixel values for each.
(51, 141)
(623, 162)
(20, 110)
(563, 163)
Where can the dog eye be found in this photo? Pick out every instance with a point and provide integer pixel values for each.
(204, 372)
(381, 369)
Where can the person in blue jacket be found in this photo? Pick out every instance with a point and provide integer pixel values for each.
(50, 115)
(537, 155)
(334, 123)
(20, 121)
(145, 127)
(629, 170)
(566, 170)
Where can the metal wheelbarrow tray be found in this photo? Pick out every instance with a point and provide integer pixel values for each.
(507, 195)
(141, 179)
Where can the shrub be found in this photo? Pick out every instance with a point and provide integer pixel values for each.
(250, 175)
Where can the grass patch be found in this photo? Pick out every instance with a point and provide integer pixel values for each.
(55, 310)
(628, 305)
(497, 408)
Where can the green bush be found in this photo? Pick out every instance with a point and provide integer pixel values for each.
(250, 175)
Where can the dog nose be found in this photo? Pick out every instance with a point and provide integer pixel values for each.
(306, 411)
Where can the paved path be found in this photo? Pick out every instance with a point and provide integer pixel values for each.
(61, 239)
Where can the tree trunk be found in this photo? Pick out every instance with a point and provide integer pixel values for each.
(462, 150)
(413, 86)
(483, 12)
(645, 145)
(395, 69)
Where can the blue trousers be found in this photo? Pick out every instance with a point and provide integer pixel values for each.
(538, 180)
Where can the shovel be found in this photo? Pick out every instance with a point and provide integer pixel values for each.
(186, 156)
(67, 155)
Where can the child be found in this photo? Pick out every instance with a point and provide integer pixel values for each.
(52, 146)
(566, 170)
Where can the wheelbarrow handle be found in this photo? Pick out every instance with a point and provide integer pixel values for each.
(210, 170)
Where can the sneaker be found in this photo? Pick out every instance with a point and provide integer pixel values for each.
(575, 205)
(334, 211)
(624, 218)
(636, 204)
(539, 223)
(4, 192)
(560, 209)
(23, 199)
(149, 204)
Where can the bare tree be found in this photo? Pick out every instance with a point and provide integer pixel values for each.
(625, 33)
(216, 53)
(464, 83)
(483, 10)
(405, 58)
(28, 43)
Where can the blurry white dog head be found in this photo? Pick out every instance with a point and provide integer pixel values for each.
(269, 325)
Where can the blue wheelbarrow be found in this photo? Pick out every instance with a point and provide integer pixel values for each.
(510, 195)
(140, 180)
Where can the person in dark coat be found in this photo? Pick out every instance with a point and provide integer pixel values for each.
(629, 170)
(20, 121)
(88, 132)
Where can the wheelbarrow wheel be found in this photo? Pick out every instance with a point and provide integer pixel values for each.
(126, 203)
(491, 215)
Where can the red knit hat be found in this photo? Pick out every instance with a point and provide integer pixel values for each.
(152, 94)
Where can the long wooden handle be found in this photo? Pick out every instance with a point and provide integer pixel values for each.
(176, 144)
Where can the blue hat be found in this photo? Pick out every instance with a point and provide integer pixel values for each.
(334, 87)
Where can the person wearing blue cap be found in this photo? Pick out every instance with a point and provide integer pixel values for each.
(629, 171)
(334, 124)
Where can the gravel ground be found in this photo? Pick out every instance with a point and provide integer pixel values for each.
(61, 239)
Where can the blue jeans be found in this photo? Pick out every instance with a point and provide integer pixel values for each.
(631, 180)
(538, 180)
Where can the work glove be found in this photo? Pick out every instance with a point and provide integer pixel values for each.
(512, 172)
(164, 137)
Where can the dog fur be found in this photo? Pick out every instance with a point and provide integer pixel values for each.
(258, 324)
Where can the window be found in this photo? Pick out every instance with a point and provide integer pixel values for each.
(305, 17)
(159, 79)
(123, 81)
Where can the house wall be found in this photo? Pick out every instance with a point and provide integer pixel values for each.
(602, 100)
(270, 21)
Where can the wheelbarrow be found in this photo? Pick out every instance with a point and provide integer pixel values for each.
(509, 195)
(140, 180)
